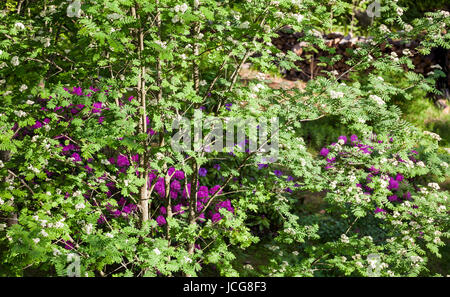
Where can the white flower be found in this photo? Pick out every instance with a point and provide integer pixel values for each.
(434, 186)
(444, 164)
(43, 233)
(181, 8)
(407, 52)
(19, 26)
(279, 14)
(157, 251)
(109, 235)
(384, 29)
(436, 66)
(29, 102)
(442, 208)
(377, 99)
(244, 25)
(88, 228)
(187, 259)
(344, 238)
(432, 135)
(298, 17)
(399, 11)
(295, 253)
(408, 28)
(437, 240)
(161, 44)
(336, 95)
(15, 61)
(36, 240)
(79, 206)
(1, 201)
(420, 164)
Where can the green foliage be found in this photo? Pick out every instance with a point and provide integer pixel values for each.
(175, 58)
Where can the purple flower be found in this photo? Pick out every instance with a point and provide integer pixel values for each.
(377, 210)
(77, 91)
(217, 167)
(97, 107)
(228, 105)
(76, 157)
(202, 171)
(393, 184)
(278, 173)
(130, 98)
(399, 177)
(289, 190)
(353, 138)
(175, 185)
(344, 138)
(393, 198)
(177, 209)
(214, 189)
(179, 174)
(163, 210)
(261, 166)
(101, 119)
(122, 161)
(216, 217)
(290, 178)
(161, 220)
(324, 152)
(36, 125)
(122, 201)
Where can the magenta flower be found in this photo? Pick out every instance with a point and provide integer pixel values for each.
(36, 125)
(377, 210)
(76, 157)
(393, 198)
(161, 220)
(216, 217)
(324, 152)
(214, 189)
(97, 107)
(122, 161)
(179, 174)
(344, 138)
(393, 184)
(175, 185)
(122, 201)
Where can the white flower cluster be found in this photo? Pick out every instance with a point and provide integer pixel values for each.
(181, 8)
(34, 169)
(80, 206)
(20, 113)
(161, 43)
(377, 99)
(432, 135)
(344, 238)
(257, 88)
(384, 29)
(336, 95)
(19, 26)
(434, 186)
